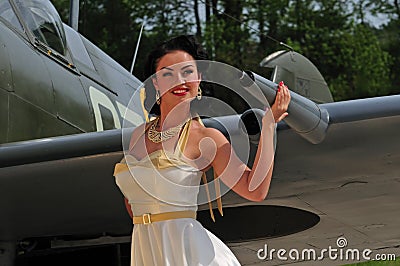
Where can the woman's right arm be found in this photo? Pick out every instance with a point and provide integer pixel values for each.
(128, 207)
(137, 132)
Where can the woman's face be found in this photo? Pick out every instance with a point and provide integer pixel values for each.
(176, 77)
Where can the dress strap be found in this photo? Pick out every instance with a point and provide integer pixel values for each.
(183, 138)
(181, 145)
(218, 194)
(142, 98)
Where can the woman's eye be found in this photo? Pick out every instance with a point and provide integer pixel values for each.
(188, 72)
(167, 74)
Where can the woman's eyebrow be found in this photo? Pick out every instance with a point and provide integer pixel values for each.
(168, 68)
(187, 66)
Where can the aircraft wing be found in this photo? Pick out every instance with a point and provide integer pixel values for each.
(362, 109)
(64, 187)
(61, 186)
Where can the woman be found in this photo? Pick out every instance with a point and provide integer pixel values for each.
(167, 157)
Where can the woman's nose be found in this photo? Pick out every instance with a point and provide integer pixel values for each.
(181, 79)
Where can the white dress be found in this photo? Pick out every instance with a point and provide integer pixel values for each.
(163, 182)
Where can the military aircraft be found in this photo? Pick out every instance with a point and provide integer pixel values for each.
(62, 104)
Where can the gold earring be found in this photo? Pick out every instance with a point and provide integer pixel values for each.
(158, 98)
(199, 94)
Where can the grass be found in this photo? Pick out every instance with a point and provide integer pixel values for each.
(379, 263)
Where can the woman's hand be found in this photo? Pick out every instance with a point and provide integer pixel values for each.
(281, 103)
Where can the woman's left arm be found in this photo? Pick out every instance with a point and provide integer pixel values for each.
(252, 184)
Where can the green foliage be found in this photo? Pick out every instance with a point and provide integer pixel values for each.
(62, 7)
(378, 263)
(389, 38)
(348, 55)
(366, 65)
(356, 59)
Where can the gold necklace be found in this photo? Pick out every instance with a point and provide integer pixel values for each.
(157, 136)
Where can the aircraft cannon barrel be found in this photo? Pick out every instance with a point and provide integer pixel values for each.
(305, 117)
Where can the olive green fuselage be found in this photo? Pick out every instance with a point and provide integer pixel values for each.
(43, 96)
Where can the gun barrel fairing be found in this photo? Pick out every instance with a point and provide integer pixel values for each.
(305, 117)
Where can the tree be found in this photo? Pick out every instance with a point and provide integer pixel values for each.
(392, 8)
(347, 50)
(389, 37)
(348, 54)
(366, 66)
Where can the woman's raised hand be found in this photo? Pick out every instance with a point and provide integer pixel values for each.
(281, 103)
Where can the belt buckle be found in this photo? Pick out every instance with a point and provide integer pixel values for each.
(146, 218)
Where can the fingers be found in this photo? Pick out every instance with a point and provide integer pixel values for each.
(285, 114)
(281, 103)
(283, 96)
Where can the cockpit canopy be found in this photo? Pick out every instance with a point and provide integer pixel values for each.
(42, 19)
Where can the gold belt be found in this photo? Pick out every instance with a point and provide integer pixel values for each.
(149, 218)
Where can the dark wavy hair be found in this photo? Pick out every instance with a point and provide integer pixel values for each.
(186, 43)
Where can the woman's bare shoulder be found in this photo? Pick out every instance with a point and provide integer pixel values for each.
(137, 132)
(207, 132)
(139, 129)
